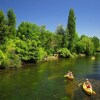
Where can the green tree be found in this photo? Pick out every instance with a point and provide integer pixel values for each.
(11, 23)
(27, 30)
(64, 52)
(80, 47)
(8, 57)
(58, 42)
(61, 35)
(85, 45)
(3, 27)
(65, 39)
(96, 42)
(71, 29)
(47, 40)
(60, 30)
(29, 42)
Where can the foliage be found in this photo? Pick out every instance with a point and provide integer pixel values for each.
(31, 42)
(71, 29)
(60, 30)
(11, 22)
(8, 57)
(24, 49)
(40, 53)
(58, 41)
(61, 37)
(85, 45)
(28, 31)
(80, 47)
(47, 40)
(11, 18)
(96, 43)
(3, 27)
(64, 52)
(65, 39)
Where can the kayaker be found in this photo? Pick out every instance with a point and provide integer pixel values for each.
(70, 74)
(88, 84)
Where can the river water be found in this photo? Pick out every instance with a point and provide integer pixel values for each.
(45, 80)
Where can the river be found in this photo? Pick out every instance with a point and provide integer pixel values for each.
(45, 80)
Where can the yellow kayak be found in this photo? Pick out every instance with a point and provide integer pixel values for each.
(69, 77)
(89, 91)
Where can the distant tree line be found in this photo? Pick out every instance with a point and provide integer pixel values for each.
(31, 43)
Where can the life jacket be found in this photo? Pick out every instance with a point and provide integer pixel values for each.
(88, 86)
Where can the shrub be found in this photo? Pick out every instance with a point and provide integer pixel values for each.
(64, 52)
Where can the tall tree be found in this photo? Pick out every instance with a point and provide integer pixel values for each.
(71, 29)
(11, 22)
(47, 40)
(61, 33)
(65, 45)
(2, 26)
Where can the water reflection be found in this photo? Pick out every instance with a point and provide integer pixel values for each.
(45, 80)
(93, 76)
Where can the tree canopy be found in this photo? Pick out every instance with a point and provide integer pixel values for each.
(31, 43)
(71, 25)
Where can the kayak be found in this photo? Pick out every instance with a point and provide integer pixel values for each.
(69, 77)
(89, 91)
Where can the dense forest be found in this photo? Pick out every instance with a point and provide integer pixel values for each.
(31, 43)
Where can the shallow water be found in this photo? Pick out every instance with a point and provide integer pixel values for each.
(45, 80)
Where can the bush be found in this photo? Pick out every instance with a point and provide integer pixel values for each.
(64, 52)
(41, 54)
(8, 58)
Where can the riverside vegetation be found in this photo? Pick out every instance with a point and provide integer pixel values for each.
(31, 43)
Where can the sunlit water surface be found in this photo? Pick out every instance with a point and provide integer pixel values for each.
(45, 80)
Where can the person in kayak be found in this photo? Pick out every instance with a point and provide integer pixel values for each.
(70, 73)
(88, 84)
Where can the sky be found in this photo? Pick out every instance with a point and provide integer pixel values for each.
(52, 13)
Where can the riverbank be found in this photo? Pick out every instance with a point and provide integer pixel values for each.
(52, 57)
(48, 58)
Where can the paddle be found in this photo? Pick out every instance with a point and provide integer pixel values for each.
(93, 92)
(65, 75)
(80, 84)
